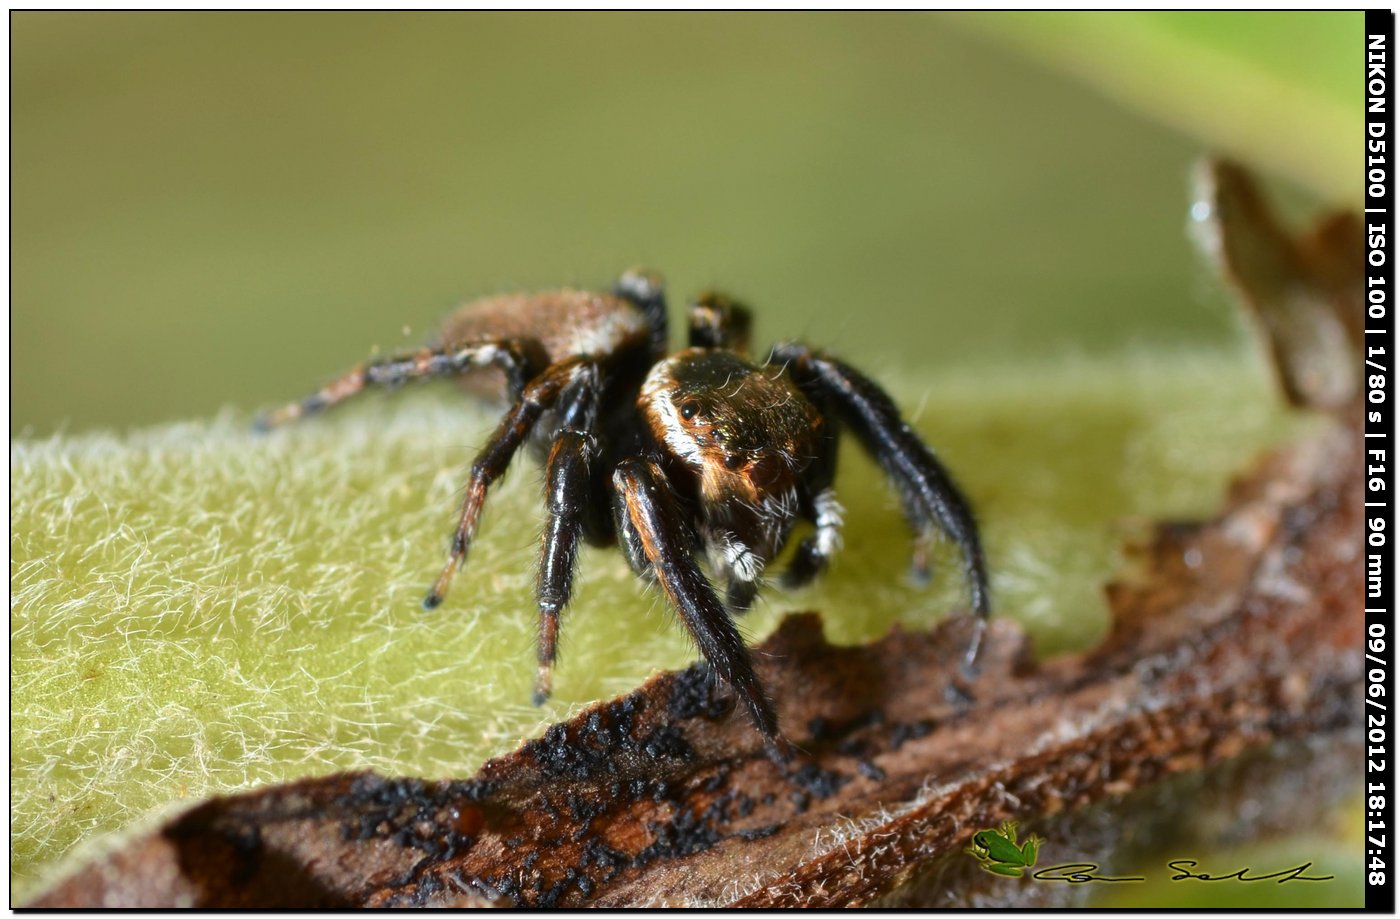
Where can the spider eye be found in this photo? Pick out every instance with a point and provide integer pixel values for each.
(733, 461)
(689, 410)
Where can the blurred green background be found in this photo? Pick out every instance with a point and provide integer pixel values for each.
(225, 208)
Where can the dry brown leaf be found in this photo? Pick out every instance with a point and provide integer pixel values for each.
(1303, 290)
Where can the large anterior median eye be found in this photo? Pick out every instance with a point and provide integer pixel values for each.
(689, 410)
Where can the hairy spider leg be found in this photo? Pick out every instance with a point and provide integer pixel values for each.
(568, 478)
(650, 504)
(929, 493)
(491, 463)
(518, 359)
(631, 542)
(814, 553)
(718, 321)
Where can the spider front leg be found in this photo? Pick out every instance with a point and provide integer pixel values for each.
(568, 486)
(649, 503)
(815, 552)
(493, 460)
(518, 359)
(929, 494)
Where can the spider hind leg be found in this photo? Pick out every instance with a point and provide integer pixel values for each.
(718, 321)
(518, 358)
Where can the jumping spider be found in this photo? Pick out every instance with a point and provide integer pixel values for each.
(703, 451)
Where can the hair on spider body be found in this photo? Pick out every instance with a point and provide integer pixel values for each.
(701, 453)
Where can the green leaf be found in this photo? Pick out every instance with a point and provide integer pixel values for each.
(196, 609)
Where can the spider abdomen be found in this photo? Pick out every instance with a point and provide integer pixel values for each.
(562, 323)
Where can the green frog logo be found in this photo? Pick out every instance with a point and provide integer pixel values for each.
(999, 853)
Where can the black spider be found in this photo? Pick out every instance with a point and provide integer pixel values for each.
(700, 452)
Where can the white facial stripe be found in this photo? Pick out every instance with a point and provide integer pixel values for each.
(656, 391)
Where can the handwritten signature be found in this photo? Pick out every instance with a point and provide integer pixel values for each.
(1086, 872)
(1288, 874)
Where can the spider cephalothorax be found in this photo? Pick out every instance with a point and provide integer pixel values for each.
(703, 453)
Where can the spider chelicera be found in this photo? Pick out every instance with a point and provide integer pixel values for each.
(702, 452)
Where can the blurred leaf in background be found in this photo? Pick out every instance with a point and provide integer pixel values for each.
(226, 208)
(1282, 90)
